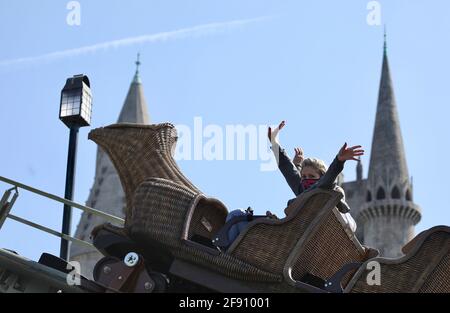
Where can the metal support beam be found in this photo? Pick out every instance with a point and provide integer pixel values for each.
(50, 231)
(5, 205)
(106, 216)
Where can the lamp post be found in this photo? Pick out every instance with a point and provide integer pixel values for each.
(75, 112)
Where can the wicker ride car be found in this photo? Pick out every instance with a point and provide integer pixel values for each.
(171, 227)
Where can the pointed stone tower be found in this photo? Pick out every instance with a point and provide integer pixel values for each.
(106, 193)
(384, 207)
(389, 215)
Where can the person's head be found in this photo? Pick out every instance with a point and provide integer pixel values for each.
(312, 170)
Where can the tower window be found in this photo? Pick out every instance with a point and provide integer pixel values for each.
(408, 195)
(381, 194)
(395, 194)
(369, 196)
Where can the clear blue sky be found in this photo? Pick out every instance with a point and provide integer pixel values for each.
(315, 64)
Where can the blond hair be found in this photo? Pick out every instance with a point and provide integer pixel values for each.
(316, 164)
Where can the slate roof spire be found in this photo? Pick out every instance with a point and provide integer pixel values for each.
(134, 109)
(388, 152)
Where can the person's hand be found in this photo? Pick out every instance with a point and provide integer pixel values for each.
(349, 153)
(269, 132)
(298, 158)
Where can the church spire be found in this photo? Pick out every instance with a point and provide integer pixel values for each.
(389, 214)
(137, 78)
(134, 109)
(385, 211)
(388, 154)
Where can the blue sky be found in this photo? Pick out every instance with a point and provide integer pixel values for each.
(315, 64)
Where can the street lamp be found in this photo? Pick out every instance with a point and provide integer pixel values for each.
(75, 111)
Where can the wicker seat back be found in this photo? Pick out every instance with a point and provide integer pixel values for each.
(267, 243)
(325, 248)
(140, 152)
(311, 239)
(424, 268)
(167, 212)
(160, 211)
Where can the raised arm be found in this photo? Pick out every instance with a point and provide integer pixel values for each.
(327, 180)
(287, 167)
(336, 167)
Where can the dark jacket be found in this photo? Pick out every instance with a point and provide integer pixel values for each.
(293, 177)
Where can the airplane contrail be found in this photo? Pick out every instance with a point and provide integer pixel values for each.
(195, 31)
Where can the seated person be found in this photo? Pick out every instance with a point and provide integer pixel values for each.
(308, 174)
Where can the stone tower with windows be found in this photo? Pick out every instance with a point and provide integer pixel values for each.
(106, 193)
(382, 204)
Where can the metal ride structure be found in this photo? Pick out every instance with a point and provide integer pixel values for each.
(49, 274)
